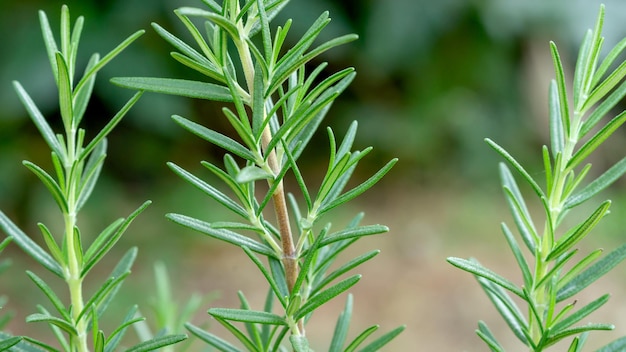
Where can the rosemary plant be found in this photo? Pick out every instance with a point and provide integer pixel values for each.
(77, 165)
(556, 271)
(277, 104)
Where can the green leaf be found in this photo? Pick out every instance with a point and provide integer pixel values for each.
(615, 346)
(116, 336)
(299, 343)
(324, 296)
(596, 140)
(247, 316)
(361, 338)
(65, 93)
(578, 330)
(185, 88)
(29, 246)
(101, 297)
(237, 333)
(39, 120)
(344, 269)
(63, 324)
(221, 234)
(211, 339)
(593, 273)
(8, 342)
(599, 184)
(516, 166)
(209, 190)
(216, 138)
(81, 97)
(266, 274)
(519, 257)
(560, 83)
(54, 299)
(487, 336)
(107, 239)
(157, 343)
(579, 314)
(576, 269)
(377, 344)
(91, 174)
(220, 20)
(582, 230)
(355, 232)
(507, 309)
(253, 173)
(53, 247)
(50, 184)
(341, 328)
(109, 126)
(475, 268)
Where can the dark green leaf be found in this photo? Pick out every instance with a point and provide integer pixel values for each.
(108, 238)
(616, 346)
(116, 336)
(599, 184)
(248, 316)
(221, 234)
(63, 324)
(345, 268)
(324, 296)
(487, 336)
(507, 309)
(157, 343)
(54, 299)
(354, 233)
(560, 83)
(216, 138)
(50, 184)
(211, 339)
(579, 314)
(341, 328)
(596, 140)
(516, 166)
(266, 274)
(185, 88)
(29, 246)
(39, 120)
(593, 273)
(361, 338)
(475, 268)
(519, 257)
(377, 344)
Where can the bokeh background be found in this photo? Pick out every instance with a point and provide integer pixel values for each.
(434, 79)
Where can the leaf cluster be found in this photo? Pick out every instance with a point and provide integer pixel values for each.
(559, 271)
(275, 105)
(77, 164)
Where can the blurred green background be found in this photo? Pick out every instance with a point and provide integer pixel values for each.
(434, 79)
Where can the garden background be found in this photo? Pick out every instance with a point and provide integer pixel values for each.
(434, 79)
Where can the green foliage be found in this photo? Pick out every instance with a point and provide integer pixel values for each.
(278, 103)
(77, 165)
(556, 276)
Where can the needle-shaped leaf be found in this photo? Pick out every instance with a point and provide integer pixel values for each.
(592, 274)
(377, 344)
(253, 173)
(361, 338)
(157, 342)
(507, 309)
(209, 190)
(116, 335)
(580, 314)
(216, 138)
(221, 234)
(597, 140)
(266, 274)
(324, 296)
(52, 245)
(91, 174)
(341, 328)
(108, 238)
(65, 93)
(582, 230)
(63, 324)
(516, 165)
(29, 246)
(185, 88)
(248, 316)
(81, 97)
(39, 120)
(220, 20)
(557, 136)
(355, 232)
(211, 339)
(615, 346)
(560, 84)
(518, 209)
(344, 269)
(54, 299)
(519, 257)
(109, 126)
(475, 268)
(487, 336)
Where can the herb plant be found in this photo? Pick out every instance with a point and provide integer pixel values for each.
(77, 165)
(555, 271)
(276, 105)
